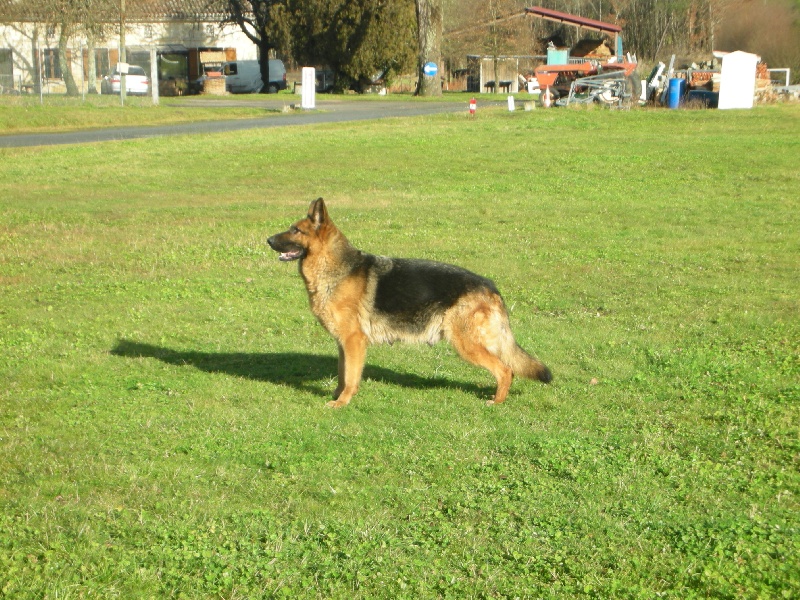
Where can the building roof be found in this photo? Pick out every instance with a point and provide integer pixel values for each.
(560, 17)
(136, 11)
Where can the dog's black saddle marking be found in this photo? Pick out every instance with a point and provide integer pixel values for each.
(412, 289)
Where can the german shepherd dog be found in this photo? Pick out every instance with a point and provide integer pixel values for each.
(365, 299)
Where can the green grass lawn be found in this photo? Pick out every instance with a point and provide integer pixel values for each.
(162, 421)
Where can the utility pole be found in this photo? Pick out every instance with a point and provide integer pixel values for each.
(123, 78)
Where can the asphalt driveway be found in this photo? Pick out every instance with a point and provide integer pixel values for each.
(327, 111)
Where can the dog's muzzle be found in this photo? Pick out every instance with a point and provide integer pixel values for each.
(288, 250)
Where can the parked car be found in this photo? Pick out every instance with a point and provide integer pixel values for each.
(244, 77)
(136, 81)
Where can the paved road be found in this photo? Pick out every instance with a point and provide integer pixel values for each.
(328, 111)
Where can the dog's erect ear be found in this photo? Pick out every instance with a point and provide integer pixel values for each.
(317, 212)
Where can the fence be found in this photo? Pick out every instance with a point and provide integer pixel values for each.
(10, 84)
(16, 85)
(41, 71)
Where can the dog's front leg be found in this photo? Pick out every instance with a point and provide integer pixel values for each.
(340, 383)
(352, 353)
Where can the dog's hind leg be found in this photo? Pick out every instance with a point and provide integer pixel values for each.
(352, 354)
(478, 329)
(473, 351)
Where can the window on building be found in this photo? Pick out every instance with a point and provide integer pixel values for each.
(173, 65)
(6, 68)
(102, 63)
(50, 67)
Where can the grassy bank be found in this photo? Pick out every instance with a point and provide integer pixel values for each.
(26, 114)
(162, 430)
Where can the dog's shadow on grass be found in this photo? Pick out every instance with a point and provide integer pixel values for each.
(303, 371)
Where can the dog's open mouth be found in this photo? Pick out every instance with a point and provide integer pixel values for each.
(286, 249)
(291, 255)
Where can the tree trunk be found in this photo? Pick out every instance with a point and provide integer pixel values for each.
(91, 67)
(264, 52)
(64, 64)
(429, 36)
(37, 61)
(694, 37)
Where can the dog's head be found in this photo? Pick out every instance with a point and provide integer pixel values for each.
(300, 239)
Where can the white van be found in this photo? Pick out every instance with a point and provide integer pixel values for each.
(244, 76)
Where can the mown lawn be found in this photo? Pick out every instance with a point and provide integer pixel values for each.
(162, 421)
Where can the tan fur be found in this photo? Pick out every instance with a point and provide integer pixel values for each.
(342, 295)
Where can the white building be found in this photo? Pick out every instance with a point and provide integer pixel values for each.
(186, 35)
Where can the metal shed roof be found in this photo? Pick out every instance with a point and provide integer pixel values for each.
(560, 17)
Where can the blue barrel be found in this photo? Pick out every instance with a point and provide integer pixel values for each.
(675, 92)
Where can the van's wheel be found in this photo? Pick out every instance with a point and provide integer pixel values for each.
(272, 88)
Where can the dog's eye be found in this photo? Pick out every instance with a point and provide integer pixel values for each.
(294, 229)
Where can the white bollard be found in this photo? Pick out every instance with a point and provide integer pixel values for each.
(547, 98)
(511, 106)
(308, 96)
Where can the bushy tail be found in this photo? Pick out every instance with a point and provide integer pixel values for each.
(524, 365)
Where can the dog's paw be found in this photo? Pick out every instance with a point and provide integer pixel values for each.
(336, 404)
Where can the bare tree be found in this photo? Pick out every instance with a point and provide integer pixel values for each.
(491, 28)
(99, 20)
(73, 17)
(65, 33)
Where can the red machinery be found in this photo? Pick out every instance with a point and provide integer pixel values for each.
(547, 75)
(588, 81)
